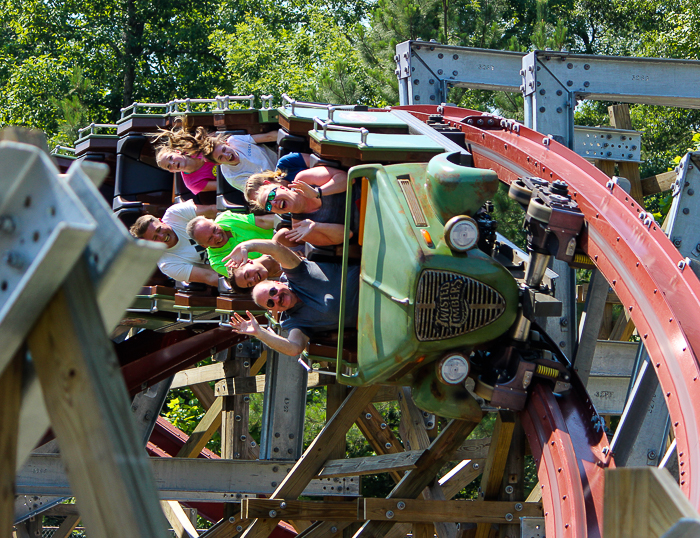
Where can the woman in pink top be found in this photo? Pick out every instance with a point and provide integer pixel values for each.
(197, 173)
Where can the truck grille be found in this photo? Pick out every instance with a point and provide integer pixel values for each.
(449, 304)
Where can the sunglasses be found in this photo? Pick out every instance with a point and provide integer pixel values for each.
(270, 302)
(270, 199)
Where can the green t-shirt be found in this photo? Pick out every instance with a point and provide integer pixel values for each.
(243, 228)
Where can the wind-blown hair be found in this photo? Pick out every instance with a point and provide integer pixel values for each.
(252, 186)
(199, 142)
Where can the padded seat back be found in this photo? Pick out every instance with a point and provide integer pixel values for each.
(138, 181)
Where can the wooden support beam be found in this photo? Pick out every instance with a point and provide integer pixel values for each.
(204, 393)
(65, 529)
(421, 511)
(371, 465)
(335, 396)
(659, 183)
(398, 510)
(202, 374)
(620, 119)
(90, 413)
(685, 528)
(422, 530)
(10, 401)
(494, 468)
(643, 502)
(451, 484)
(316, 455)
(412, 428)
(474, 449)
(324, 529)
(607, 167)
(256, 384)
(414, 482)
(378, 434)
(211, 421)
(514, 477)
(313, 510)
(179, 521)
(461, 475)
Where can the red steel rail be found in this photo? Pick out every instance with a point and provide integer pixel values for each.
(637, 259)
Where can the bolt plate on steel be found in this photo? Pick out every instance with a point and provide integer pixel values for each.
(532, 527)
(44, 229)
(602, 143)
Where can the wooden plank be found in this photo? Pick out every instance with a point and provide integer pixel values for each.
(181, 524)
(378, 434)
(316, 455)
(685, 528)
(463, 474)
(659, 183)
(90, 413)
(582, 294)
(313, 510)
(412, 428)
(514, 478)
(451, 484)
(414, 482)
(65, 529)
(335, 396)
(464, 511)
(370, 465)
(211, 421)
(498, 454)
(324, 529)
(474, 449)
(62, 510)
(494, 468)
(256, 384)
(423, 530)
(10, 402)
(204, 393)
(387, 393)
(608, 167)
(642, 502)
(203, 374)
(620, 119)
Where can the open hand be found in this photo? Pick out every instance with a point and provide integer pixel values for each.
(300, 230)
(245, 326)
(304, 188)
(238, 257)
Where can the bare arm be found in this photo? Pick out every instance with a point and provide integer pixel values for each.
(204, 275)
(292, 346)
(208, 211)
(285, 257)
(265, 221)
(270, 136)
(331, 180)
(210, 186)
(317, 233)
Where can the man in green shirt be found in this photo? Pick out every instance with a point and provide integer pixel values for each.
(221, 236)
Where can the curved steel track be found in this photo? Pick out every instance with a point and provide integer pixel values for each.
(642, 266)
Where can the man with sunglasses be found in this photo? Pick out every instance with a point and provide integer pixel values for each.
(308, 297)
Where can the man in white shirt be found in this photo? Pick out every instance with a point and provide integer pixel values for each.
(184, 259)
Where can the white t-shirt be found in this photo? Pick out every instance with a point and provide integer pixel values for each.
(254, 158)
(177, 262)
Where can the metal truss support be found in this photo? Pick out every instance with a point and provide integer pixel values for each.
(284, 408)
(640, 438)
